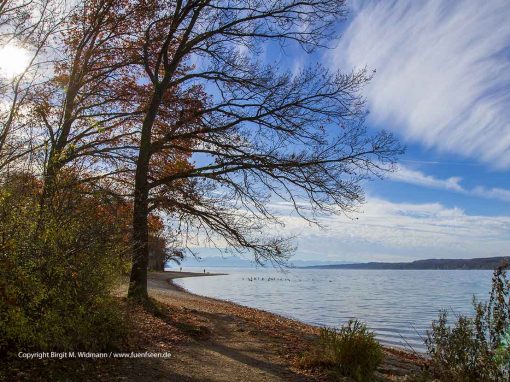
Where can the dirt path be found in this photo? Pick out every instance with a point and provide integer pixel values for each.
(235, 343)
(234, 350)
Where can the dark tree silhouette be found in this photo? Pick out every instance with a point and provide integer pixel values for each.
(257, 131)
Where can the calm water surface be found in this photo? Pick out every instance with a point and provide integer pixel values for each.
(397, 305)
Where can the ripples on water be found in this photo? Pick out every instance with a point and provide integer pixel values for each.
(398, 305)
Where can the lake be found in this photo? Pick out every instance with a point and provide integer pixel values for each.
(398, 305)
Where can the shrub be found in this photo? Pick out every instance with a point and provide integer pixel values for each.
(474, 348)
(352, 351)
(58, 265)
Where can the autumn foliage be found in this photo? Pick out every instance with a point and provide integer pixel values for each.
(150, 126)
(58, 267)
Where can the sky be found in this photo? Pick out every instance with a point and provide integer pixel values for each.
(442, 86)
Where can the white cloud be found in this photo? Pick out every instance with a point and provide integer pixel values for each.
(492, 193)
(443, 72)
(406, 175)
(389, 231)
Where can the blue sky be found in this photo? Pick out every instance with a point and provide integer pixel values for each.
(442, 85)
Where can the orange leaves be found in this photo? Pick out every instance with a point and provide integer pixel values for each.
(155, 224)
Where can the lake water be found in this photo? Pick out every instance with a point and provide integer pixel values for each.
(397, 305)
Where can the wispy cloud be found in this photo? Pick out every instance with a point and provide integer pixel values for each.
(388, 231)
(492, 193)
(443, 72)
(405, 174)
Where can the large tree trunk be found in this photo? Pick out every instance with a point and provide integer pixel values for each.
(140, 260)
(138, 281)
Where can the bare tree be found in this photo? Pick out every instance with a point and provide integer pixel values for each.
(85, 110)
(26, 27)
(258, 131)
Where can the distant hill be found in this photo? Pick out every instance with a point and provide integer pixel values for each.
(478, 263)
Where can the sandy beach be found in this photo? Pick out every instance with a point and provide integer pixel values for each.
(245, 344)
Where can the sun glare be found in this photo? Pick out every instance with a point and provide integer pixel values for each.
(13, 60)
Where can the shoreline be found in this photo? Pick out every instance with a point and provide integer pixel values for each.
(398, 362)
(176, 275)
(203, 339)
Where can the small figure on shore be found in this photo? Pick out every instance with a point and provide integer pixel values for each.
(180, 269)
(204, 270)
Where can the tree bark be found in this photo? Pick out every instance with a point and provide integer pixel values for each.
(138, 281)
(140, 259)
